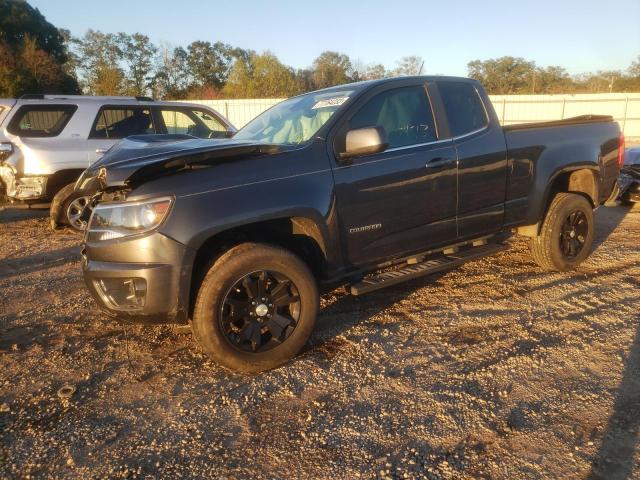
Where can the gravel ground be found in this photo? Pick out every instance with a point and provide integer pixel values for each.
(494, 370)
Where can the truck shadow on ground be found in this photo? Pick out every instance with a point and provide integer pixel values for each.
(348, 311)
(11, 214)
(10, 267)
(615, 457)
(607, 222)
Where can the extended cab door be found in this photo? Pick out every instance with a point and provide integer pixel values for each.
(402, 200)
(482, 157)
(115, 122)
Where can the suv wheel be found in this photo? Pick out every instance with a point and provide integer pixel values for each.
(67, 207)
(566, 235)
(256, 308)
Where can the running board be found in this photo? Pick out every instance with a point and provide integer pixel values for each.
(377, 281)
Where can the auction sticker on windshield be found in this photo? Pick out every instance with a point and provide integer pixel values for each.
(330, 102)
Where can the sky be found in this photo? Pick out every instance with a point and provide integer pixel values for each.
(581, 36)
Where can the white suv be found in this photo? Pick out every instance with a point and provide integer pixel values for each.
(47, 141)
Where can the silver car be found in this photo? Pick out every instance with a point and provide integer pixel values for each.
(47, 141)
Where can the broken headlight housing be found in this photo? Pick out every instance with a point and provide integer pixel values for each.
(123, 219)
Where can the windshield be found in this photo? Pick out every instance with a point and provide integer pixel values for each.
(296, 120)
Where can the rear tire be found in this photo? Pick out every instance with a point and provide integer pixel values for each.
(566, 234)
(66, 208)
(255, 308)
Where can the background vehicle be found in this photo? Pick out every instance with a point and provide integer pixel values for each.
(46, 141)
(368, 184)
(629, 181)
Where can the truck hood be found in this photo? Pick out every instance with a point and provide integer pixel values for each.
(140, 158)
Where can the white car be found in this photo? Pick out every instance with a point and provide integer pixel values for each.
(47, 141)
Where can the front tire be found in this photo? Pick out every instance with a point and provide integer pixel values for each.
(566, 235)
(66, 208)
(256, 308)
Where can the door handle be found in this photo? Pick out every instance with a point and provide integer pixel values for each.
(438, 162)
(101, 150)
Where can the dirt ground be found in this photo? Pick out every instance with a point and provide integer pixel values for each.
(494, 370)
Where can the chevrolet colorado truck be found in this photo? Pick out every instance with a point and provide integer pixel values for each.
(365, 185)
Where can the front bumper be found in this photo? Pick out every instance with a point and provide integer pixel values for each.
(142, 279)
(26, 188)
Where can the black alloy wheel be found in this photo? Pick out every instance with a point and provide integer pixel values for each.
(574, 234)
(260, 311)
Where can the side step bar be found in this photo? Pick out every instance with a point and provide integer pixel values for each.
(406, 272)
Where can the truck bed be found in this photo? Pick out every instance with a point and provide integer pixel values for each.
(556, 123)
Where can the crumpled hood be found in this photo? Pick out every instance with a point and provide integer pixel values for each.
(142, 157)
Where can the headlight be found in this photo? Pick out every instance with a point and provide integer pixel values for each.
(115, 220)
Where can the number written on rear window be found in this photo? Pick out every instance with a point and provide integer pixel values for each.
(40, 120)
(464, 107)
(121, 122)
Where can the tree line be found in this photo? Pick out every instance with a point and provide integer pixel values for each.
(36, 57)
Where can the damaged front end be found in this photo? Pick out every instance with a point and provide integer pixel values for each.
(21, 187)
(142, 158)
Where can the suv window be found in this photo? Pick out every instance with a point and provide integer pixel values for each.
(40, 120)
(464, 107)
(121, 122)
(192, 122)
(404, 113)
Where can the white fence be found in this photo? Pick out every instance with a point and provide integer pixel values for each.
(625, 108)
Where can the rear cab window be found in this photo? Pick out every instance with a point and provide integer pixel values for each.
(116, 122)
(41, 120)
(404, 113)
(464, 107)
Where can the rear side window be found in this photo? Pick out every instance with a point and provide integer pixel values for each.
(404, 113)
(192, 122)
(464, 107)
(120, 122)
(40, 120)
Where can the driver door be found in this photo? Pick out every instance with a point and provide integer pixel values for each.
(402, 200)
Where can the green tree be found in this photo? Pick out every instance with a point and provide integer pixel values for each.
(209, 65)
(263, 76)
(331, 68)
(33, 53)
(634, 69)
(504, 75)
(99, 55)
(374, 72)
(412, 65)
(551, 80)
(138, 53)
(171, 79)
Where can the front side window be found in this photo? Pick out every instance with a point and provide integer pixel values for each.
(464, 107)
(403, 113)
(120, 122)
(41, 120)
(296, 120)
(198, 123)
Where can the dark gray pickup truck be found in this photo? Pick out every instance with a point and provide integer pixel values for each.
(368, 185)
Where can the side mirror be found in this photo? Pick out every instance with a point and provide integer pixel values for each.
(364, 141)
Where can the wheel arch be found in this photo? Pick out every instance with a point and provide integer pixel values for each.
(60, 179)
(298, 234)
(581, 180)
